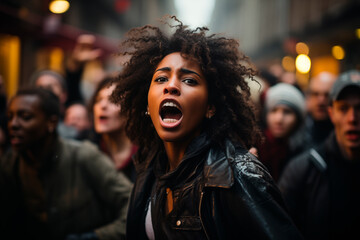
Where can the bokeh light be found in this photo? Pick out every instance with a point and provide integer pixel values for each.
(357, 33)
(303, 63)
(59, 6)
(302, 48)
(288, 63)
(338, 52)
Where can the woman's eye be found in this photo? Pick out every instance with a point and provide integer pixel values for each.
(161, 79)
(190, 81)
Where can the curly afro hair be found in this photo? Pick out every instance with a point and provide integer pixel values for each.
(224, 67)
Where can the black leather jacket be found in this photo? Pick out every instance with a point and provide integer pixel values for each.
(218, 194)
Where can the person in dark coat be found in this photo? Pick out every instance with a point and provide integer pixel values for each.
(193, 120)
(321, 186)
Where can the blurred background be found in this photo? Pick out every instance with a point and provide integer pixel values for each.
(304, 37)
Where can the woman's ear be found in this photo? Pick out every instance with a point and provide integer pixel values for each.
(210, 111)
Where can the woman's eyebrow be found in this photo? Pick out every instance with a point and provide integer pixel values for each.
(167, 69)
(183, 70)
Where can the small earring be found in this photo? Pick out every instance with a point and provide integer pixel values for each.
(209, 115)
(147, 113)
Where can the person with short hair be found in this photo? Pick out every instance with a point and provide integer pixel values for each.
(77, 116)
(317, 122)
(52, 188)
(321, 186)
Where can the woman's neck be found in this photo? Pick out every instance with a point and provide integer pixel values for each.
(175, 152)
(118, 146)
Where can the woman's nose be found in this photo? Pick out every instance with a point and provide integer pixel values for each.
(172, 87)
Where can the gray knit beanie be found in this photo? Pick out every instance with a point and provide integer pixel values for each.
(283, 93)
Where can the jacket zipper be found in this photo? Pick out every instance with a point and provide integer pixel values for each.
(202, 223)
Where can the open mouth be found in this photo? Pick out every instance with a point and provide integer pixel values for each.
(103, 118)
(170, 112)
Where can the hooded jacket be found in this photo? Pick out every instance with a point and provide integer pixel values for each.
(218, 192)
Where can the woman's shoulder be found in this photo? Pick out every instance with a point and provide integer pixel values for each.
(247, 165)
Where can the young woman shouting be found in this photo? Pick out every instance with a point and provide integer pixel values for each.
(191, 117)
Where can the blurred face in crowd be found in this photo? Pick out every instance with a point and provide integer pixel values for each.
(76, 116)
(345, 115)
(106, 114)
(28, 125)
(317, 98)
(178, 98)
(281, 121)
(51, 83)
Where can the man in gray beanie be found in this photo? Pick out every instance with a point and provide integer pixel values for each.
(321, 186)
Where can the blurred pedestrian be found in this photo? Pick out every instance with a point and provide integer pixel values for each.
(53, 188)
(321, 187)
(284, 134)
(56, 83)
(191, 114)
(77, 116)
(110, 126)
(53, 81)
(318, 124)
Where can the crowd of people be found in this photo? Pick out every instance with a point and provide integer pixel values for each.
(174, 147)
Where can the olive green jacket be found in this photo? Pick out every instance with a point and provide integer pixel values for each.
(83, 192)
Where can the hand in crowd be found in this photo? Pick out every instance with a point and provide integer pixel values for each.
(83, 52)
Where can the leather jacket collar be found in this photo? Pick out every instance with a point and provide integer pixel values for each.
(217, 169)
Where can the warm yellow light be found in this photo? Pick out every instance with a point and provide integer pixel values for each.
(357, 33)
(338, 52)
(303, 63)
(302, 48)
(59, 6)
(288, 63)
